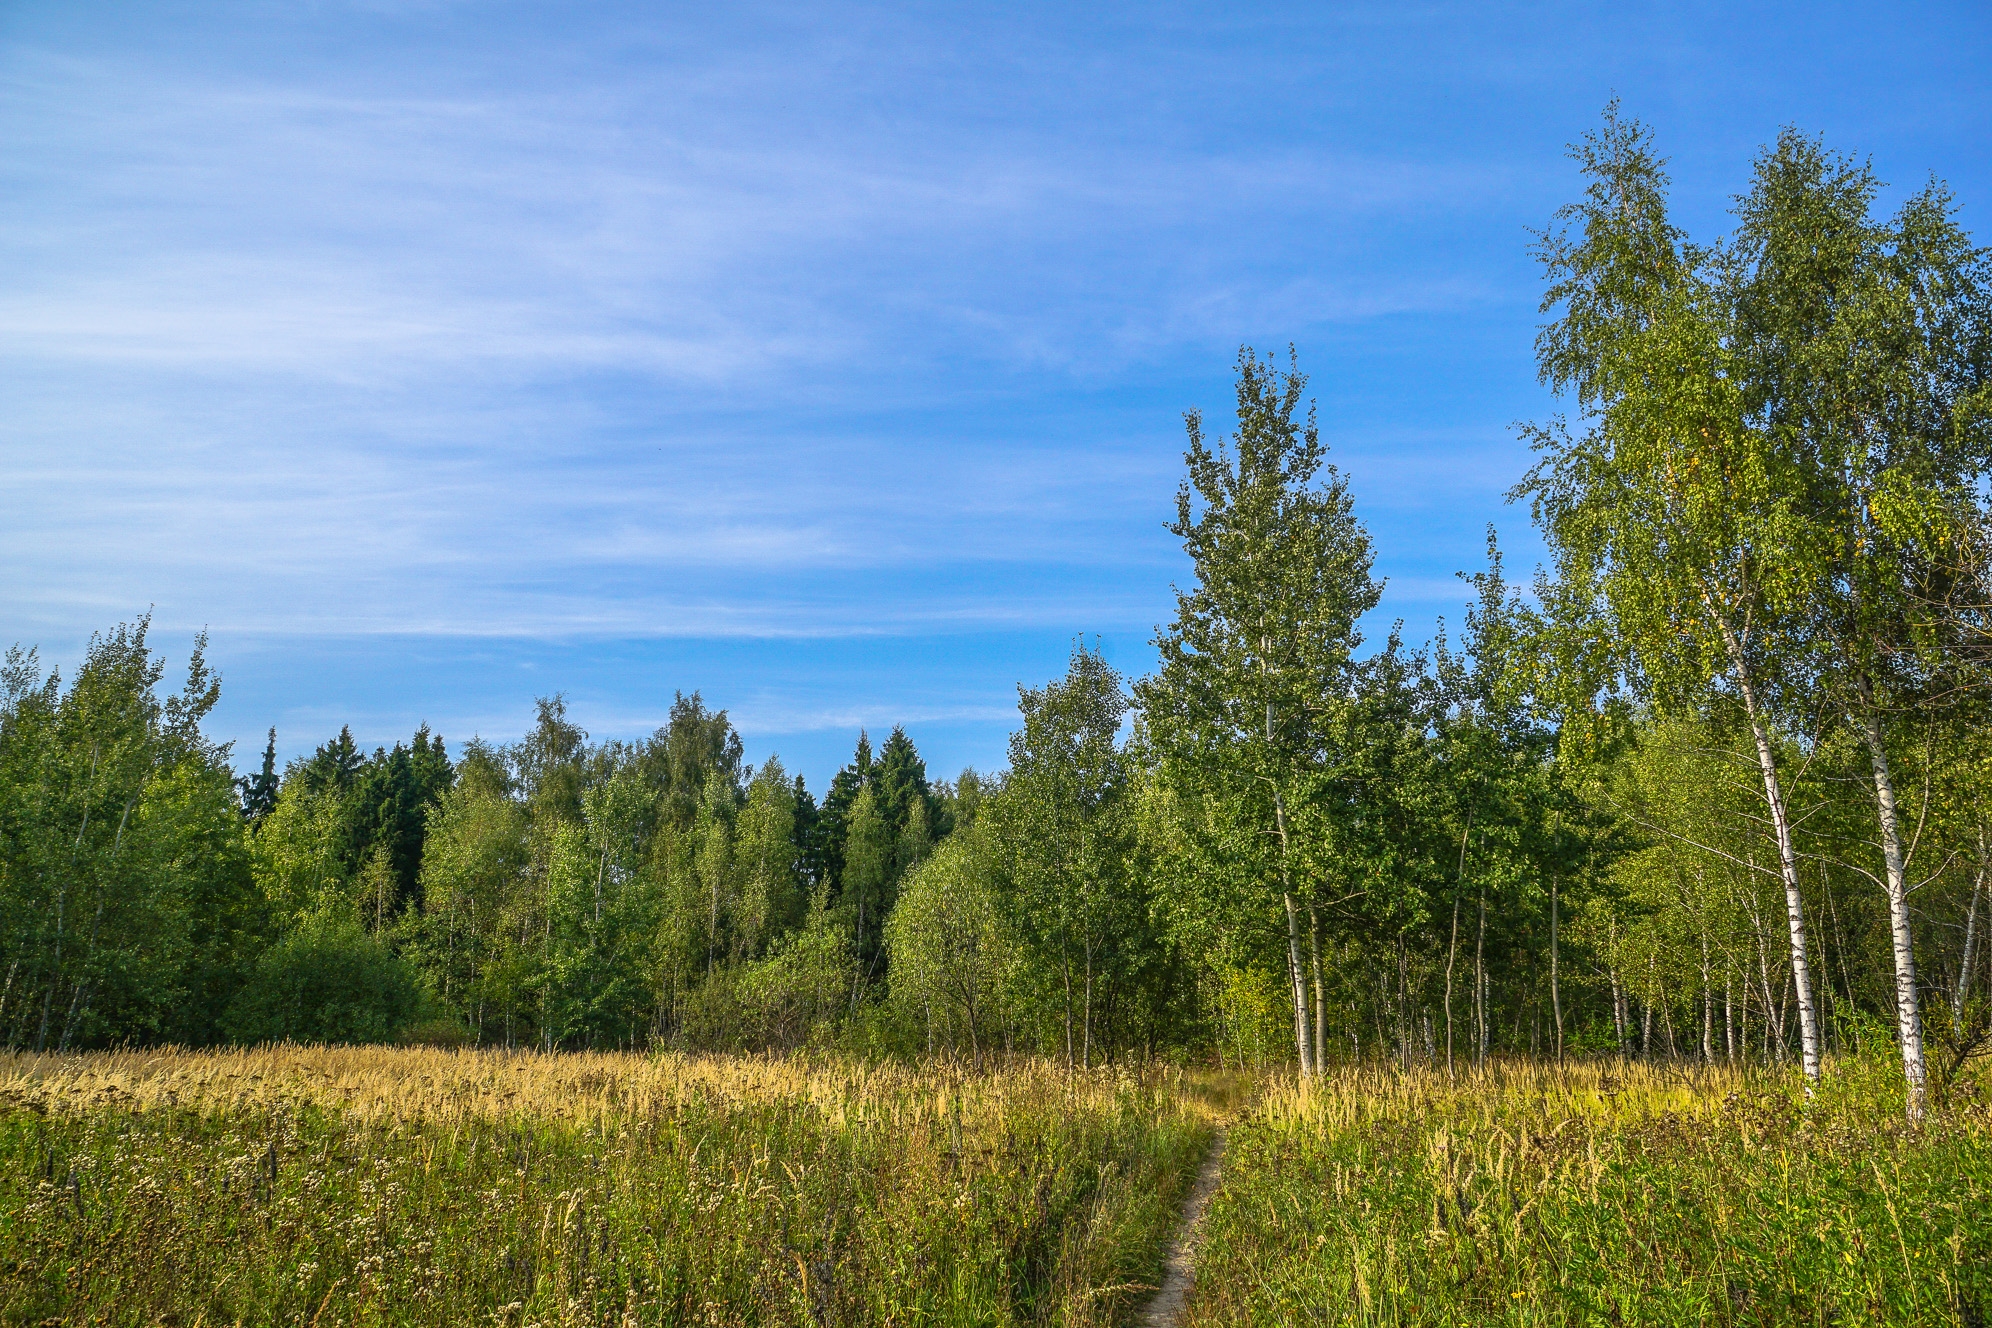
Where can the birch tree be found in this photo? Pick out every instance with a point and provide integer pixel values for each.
(1868, 350)
(1671, 516)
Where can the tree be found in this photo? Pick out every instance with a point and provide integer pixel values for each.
(1066, 830)
(127, 910)
(1866, 349)
(387, 808)
(333, 767)
(772, 898)
(833, 822)
(901, 777)
(951, 950)
(327, 982)
(259, 791)
(1673, 519)
(476, 857)
(867, 880)
(693, 743)
(1263, 644)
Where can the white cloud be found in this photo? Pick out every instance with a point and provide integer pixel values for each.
(642, 353)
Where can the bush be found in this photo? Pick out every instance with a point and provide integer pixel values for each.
(793, 997)
(327, 982)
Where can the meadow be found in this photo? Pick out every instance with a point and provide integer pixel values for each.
(376, 1186)
(1608, 1193)
(320, 1186)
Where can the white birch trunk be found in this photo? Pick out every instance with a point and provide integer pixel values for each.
(1808, 1018)
(1908, 1014)
(1970, 957)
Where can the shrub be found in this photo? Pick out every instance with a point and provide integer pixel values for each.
(326, 982)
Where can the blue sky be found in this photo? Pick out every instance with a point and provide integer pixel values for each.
(827, 359)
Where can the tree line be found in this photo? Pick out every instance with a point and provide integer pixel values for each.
(1711, 786)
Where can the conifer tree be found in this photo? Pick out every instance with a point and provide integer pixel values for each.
(259, 791)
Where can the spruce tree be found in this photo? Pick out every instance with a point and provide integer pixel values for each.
(259, 791)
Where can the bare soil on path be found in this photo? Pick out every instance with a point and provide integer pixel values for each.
(1180, 1266)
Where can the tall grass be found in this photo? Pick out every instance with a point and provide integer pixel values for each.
(1620, 1194)
(319, 1187)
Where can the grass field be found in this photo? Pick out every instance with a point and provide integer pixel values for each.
(1601, 1195)
(375, 1186)
(364, 1186)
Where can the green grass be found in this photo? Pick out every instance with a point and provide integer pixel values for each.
(1598, 1195)
(376, 1186)
(794, 1198)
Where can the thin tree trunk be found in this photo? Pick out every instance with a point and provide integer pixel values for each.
(1301, 1033)
(1970, 939)
(7, 991)
(1065, 958)
(1452, 945)
(1808, 1019)
(1646, 1029)
(1908, 1014)
(1555, 990)
(1618, 1005)
(1480, 980)
(1621, 1018)
(1404, 1052)
(1381, 1009)
(1452, 952)
(1320, 994)
(1708, 1009)
(1743, 1018)
(1728, 1017)
(1087, 1059)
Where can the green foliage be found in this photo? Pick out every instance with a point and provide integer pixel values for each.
(326, 982)
(1258, 669)
(796, 995)
(1065, 831)
(956, 967)
(1568, 837)
(259, 791)
(126, 906)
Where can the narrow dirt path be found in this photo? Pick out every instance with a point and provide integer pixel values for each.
(1180, 1267)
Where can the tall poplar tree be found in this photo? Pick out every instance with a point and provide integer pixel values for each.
(1262, 649)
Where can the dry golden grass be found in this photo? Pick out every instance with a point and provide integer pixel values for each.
(391, 1083)
(1603, 1093)
(443, 1186)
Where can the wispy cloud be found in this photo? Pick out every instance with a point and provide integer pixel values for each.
(604, 355)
